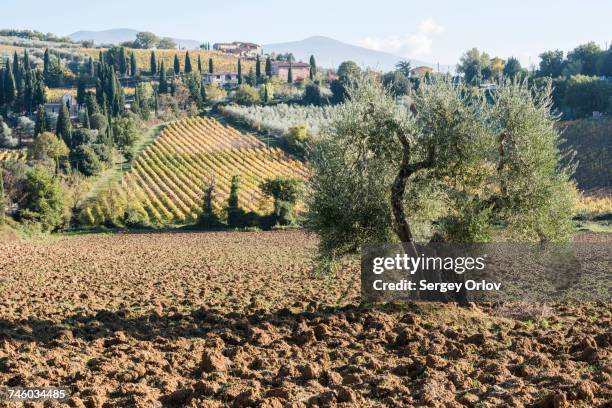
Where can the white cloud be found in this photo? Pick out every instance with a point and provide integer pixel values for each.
(416, 44)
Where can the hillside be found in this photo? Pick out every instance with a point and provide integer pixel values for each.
(330, 53)
(592, 141)
(119, 35)
(166, 181)
(221, 61)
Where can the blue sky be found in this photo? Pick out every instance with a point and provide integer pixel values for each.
(432, 31)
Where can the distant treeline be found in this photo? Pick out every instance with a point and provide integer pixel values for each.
(34, 35)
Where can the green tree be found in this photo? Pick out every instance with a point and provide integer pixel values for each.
(199, 64)
(43, 199)
(163, 82)
(211, 67)
(177, 65)
(166, 44)
(247, 95)
(208, 217)
(313, 68)
(145, 40)
(48, 147)
(312, 95)
(290, 73)
(268, 67)
(122, 65)
(64, 127)
(41, 121)
(285, 191)
(586, 94)
(473, 65)
(234, 212)
(257, 68)
(382, 170)
(513, 68)
(46, 63)
(239, 72)
(404, 67)
(551, 64)
(10, 89)
(588, 55)
(133, 65)
(188, 68)
(153, 63)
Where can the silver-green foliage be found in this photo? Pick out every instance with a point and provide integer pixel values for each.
(460, 164)
(278, 119)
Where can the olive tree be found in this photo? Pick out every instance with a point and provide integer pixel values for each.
(456, 164)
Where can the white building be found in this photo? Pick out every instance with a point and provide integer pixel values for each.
(220, 78)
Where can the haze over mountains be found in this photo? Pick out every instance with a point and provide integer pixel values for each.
(328, 52)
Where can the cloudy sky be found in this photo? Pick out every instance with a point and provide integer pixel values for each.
(438, 32)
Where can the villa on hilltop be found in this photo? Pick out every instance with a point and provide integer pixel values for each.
(243, 49)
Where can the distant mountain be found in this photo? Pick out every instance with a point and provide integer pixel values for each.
(329, 53)
(119, 35)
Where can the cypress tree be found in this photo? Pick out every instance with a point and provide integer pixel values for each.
(155, 103)
(257, 68)
(268, 67)
(122, 62)
(239, 72)
(313, 67)
(86, 122)
(2, 74)
(9, 84)
(199, 64)
(290, 73)
(203, 95)
(64, 127)
(136, 105)
(211, 67)
(133, 65)
(46, 62)
(153, 63)
(233, 209)
(177, 65)
(41, 121)
(187, 63)
(26, 60)
(91, 70)
(2, 203)
(81, 91)
(163, 83)
(100, 57)
(16, 70)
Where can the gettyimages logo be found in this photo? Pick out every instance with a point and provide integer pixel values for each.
(487, 272)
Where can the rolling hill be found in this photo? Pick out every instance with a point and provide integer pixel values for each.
(119, 35)
(330, 53)
(166, 181)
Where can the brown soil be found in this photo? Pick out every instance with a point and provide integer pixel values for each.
(236, 319)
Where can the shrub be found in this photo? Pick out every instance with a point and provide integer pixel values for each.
(43, 199)
(285, 191)
(85, 159)
(247, 95)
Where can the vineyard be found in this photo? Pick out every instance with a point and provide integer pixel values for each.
(221, 61)
(12, 154)
(165, 183)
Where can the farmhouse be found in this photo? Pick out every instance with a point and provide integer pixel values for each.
(66, 99)
(243, 49)
(300, 70)
(220, 78)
